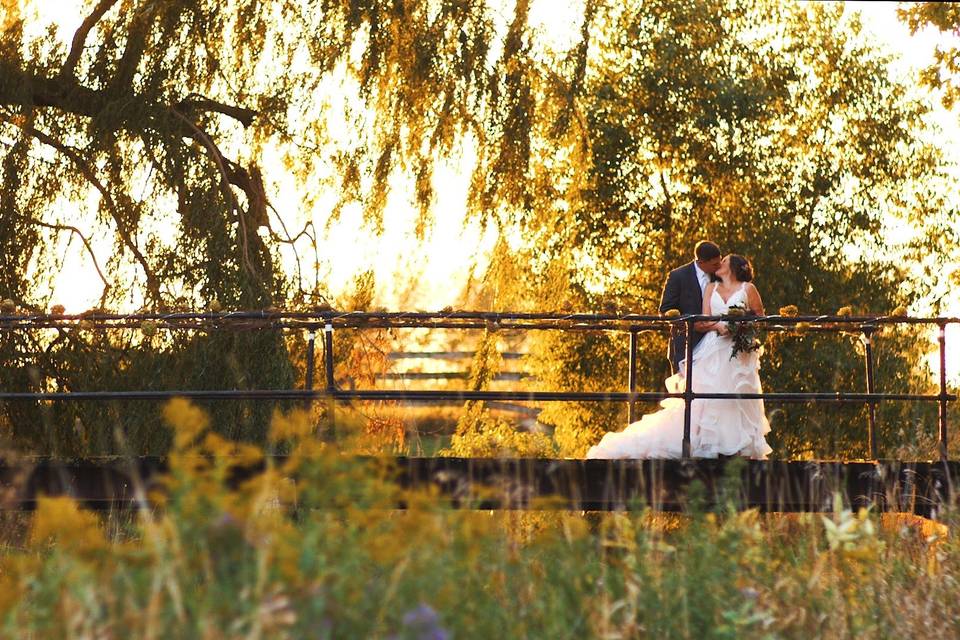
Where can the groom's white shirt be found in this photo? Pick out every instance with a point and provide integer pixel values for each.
(702, 277)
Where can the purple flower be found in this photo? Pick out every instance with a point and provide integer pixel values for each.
(423, 623)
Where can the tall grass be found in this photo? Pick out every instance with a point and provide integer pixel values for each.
(315, 548)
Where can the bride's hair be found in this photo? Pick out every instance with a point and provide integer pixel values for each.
(741, 268)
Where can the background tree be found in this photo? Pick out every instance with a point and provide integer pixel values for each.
(791, 145)
(943, 71)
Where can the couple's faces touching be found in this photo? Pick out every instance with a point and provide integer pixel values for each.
(724, 269)
(712, 266)
(718, 266)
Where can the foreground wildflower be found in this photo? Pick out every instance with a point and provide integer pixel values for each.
(60, 521)
(422, 623)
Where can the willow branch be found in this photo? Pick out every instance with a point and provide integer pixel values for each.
(215, 154)
(226, 179)
(152, 284)
(133, 52)
(292, 242)
(241, 114)
(67, 94)
(86, 243)
(290, 239)
(80, 37)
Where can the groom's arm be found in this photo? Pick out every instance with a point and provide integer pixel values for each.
(670, 299)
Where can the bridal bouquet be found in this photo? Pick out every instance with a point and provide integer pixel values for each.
(743, 334)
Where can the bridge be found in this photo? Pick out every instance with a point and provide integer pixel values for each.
(921, 487)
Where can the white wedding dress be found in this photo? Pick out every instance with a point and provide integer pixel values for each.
(717, 427)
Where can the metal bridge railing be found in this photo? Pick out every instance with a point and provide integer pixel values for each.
(327, 322)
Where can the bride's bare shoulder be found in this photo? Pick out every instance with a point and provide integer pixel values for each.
(752, 291)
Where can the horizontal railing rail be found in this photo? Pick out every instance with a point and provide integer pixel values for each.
(423, 396)
(328, 321)
(424, 319)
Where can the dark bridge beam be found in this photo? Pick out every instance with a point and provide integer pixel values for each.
(922, 488)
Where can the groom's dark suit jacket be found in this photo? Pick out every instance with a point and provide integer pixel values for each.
(682, 291)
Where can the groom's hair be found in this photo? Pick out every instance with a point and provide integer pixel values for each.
(706, 250)
(741, 268)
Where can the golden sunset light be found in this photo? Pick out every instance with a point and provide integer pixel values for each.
(414, 319)
(430, 273)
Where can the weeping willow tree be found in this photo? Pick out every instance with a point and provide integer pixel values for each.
(162, 111)
(150, 124)
(157, 125)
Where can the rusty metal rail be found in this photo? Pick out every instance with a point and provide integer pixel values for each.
(328, 322)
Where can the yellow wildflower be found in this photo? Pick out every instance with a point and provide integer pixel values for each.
(789, 311)
(10, 591)
(217, 445)
(671, 313)
(845, 311)
(292, 426)
(187, 420)
(61, 521)
(574, 528)
(247, 454)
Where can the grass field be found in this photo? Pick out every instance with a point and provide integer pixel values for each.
(328, 557)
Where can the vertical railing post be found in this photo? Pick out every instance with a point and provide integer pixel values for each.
(328, 366)
(328, 355)
(688, 390)
(308, 382)
(942, 339)
(867, 340)
(632, 377)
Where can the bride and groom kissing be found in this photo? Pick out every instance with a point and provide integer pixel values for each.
(710, 285)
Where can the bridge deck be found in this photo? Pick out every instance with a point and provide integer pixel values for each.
(920, 487)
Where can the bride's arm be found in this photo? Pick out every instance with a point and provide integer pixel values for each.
(753, 300)
(704, 326)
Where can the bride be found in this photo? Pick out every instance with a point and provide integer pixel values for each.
(717, 427)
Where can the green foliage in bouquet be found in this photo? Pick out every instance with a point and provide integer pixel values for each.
(744, 333)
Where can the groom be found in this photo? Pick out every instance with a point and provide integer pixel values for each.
(684, 292)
